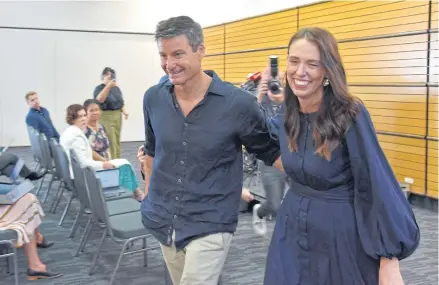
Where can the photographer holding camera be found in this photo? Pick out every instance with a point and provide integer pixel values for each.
(273, 180)
(112, 105)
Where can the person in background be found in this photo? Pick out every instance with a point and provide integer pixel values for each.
(8, 162)
(73, 138)
(95, 132)
(113, 106)
(24, 217)
(39, 118)
(274, 181)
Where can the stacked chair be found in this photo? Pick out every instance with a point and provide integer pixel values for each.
(120, 220)
(118, 217)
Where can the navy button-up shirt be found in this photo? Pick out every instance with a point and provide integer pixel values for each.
(40, 121)
(197, 176)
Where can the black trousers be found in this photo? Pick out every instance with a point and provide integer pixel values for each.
(7, 164)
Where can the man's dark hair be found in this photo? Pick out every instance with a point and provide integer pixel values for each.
(178, 26)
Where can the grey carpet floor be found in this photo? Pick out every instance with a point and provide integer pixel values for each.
(244, 265)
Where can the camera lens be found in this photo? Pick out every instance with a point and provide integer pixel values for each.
(274, 86)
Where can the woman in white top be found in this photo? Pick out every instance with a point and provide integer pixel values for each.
(74, 138)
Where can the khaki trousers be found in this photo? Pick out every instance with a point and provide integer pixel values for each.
(112, 121)
(201, 262)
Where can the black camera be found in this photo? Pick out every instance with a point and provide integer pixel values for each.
(274, 85)
(113, 76)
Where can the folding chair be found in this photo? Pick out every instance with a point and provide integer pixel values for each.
(123, 228)
(115, 207)
(8, 238)
(58, 173)
(34, 138)
(47, 163)
(67, 181)
(34, 146)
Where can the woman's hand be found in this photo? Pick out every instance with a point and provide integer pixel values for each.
(125, 113)
(108, 165)
(389, 273)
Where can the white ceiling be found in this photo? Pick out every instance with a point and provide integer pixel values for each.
(131, 15)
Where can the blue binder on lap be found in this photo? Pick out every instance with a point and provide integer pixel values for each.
(10, 193)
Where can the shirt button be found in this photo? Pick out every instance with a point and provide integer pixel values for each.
(179, 180)
(175, 216)
(176, 198)
(184, 143)
(176, 105)
(182, 162)
(185, 124)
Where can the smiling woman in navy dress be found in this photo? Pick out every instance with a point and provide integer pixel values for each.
(345, 220)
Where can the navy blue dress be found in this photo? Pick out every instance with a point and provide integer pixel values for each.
(340, 216)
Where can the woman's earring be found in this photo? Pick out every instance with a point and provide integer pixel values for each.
(326, 82)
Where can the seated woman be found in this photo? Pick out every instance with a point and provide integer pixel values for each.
(95, 132)
(24, 217)
(8, 161)
(74, 138)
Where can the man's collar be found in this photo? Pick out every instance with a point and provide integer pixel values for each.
(35, 110)
(216, 87)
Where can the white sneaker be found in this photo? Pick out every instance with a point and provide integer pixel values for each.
(259, 225)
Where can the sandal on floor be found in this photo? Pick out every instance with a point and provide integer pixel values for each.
(37, 275)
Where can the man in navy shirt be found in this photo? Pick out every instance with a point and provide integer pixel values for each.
(195, 126)
(39, 118)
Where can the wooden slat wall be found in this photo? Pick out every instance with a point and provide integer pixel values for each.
(390, 53)
(267, 31)
(357, 19)
(238, 65)
(214, 39)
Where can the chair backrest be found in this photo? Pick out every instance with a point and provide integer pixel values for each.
(53, 151)
(35, 143)
(46, 156)
(79, 180)
(97, 199)
(64, 166)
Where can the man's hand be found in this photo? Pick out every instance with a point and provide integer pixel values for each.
(278, 164)
(246, 195)
(140, 156)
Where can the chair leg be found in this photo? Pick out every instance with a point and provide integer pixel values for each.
(57, 197)
(84, 237)
(96, 257)
(76, 222)
(145, 253)
(15, 265)
(64, 214)
(8, 265)
(118, 262)
(41, 185)
(48, 188)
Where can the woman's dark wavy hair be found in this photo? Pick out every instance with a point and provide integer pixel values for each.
(338, 109)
